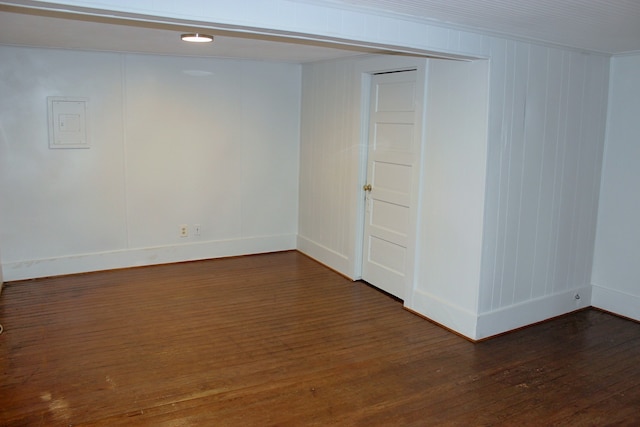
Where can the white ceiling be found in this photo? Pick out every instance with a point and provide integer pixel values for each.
(607, 26)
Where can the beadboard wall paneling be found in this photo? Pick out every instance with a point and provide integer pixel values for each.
(547, 122)
(616, 270)
(452, 195)
(328, 157)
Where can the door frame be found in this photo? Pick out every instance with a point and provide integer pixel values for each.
(402, 64)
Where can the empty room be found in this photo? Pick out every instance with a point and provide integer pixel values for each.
(319, 212)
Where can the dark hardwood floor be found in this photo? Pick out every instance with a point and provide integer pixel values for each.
(278, 339)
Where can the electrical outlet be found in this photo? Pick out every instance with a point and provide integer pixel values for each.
(196, 229)
(184, 230)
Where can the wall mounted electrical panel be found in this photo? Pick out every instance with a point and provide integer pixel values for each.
(68, 118)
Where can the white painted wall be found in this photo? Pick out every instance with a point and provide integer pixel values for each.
(329, 151)
(616, 270)
(452, 195)
(547, 123)
(546, 130)
(174, 141)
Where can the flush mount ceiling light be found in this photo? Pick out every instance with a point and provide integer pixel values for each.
(196, 38)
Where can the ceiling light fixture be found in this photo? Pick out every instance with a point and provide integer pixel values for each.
(197, 38)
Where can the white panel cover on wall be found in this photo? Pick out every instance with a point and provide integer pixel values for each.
(68, 122)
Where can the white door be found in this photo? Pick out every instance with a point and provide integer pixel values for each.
(393, 153)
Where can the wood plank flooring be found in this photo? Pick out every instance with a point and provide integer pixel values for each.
(278, 339)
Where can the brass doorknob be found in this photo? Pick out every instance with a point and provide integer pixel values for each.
(366, 187)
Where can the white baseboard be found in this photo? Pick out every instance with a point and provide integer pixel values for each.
(84, 263)
(617, 302)
(324, 255)
(443, 312)
(485, 325)
(533, 311)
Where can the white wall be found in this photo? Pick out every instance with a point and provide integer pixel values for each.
(616, 270)
(328, 162)
(174, 141)
(452, 195)
(546, 131)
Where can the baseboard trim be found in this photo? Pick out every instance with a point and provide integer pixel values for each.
(531, 312)
(620, 303)
(450, 316)
(325, 256)
(84, 263)
(486, 325)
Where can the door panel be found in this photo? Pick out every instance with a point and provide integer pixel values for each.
(391, 217)
(387, 255)
(392, 154)
(393, 177)
(394, 136)
(395, 96)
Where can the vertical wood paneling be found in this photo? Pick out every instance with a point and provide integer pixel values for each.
(513, 170)
(501, 157)
(546, 139)
(577, 187)
(452, 193)
(616, 270)
(544, 214)
(595, 105)
(556, 190)
(306, 167)
(556, 159)
(497, 93)
(327, 124)
(566, 176)
(529, 192)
